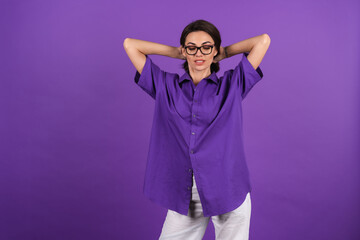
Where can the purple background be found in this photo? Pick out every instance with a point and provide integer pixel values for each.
(75, 128)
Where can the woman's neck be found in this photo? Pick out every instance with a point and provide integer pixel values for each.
(197, 76)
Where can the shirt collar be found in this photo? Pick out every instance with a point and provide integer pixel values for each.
(213, 77)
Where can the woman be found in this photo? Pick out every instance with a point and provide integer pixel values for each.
(197, 131)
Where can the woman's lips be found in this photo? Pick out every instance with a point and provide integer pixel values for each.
(199, 63)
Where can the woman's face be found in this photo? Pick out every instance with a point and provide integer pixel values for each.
(199, 38)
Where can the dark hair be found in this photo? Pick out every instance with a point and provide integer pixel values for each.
(202, 25)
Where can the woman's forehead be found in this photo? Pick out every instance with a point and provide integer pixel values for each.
(198, 37)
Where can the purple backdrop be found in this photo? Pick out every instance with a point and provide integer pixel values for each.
(75, 128)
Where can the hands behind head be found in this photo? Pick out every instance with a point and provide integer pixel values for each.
(220, 56)
(180, 56)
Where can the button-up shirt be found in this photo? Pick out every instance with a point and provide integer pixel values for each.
(197, 131)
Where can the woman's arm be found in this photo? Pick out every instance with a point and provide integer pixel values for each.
(257, 46)
(136, 49)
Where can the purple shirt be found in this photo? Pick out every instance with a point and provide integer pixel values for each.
(197, 130)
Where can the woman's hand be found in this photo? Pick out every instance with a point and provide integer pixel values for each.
(180, 56)
(220, 56)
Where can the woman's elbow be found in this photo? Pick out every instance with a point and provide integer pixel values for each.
(266, 38)
(127, 42)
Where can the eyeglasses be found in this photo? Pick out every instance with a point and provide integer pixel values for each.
(206, 49)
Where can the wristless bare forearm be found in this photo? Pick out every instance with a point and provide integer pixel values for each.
(244, 45)
(147, 48)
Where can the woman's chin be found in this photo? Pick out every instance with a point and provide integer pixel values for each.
(202, 67)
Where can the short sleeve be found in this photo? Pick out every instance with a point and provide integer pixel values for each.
(246, 75)
(151, 78)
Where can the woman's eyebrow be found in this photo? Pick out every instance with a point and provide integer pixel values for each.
(195, 44)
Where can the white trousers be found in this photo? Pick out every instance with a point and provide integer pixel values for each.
(232, 225)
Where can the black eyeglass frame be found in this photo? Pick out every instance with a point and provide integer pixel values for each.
(197, 49)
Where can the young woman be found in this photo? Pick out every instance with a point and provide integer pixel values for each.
(197, 131)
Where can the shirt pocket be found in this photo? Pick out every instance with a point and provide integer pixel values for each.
(210, 108)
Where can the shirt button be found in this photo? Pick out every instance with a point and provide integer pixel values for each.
(189, 188)
(193, 133)
(190, 169)
(192, 151)
(195, 100)
(194, 115)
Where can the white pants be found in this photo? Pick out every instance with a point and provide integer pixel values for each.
(232, 225)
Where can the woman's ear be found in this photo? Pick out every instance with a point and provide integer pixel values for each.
(183, 52)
